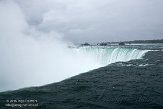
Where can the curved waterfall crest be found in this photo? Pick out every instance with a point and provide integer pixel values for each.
(108, 55)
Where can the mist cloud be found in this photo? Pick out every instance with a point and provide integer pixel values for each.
(30, 57)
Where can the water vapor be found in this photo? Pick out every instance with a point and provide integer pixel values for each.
(29, 57)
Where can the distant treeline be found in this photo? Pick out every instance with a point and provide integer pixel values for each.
(145, 41)
(124, 42)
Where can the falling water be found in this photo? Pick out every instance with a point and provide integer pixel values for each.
(108, 55)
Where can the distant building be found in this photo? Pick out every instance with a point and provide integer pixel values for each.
(85, 44)
(121, 43)
(103, 44)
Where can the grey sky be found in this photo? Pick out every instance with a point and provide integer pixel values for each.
(97, 20)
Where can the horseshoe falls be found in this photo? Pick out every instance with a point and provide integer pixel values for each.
(108, 55)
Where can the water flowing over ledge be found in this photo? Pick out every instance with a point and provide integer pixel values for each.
(108, 55)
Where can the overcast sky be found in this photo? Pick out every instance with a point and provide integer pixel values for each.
(96, 20)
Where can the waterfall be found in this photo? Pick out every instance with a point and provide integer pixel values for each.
(108, 55)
